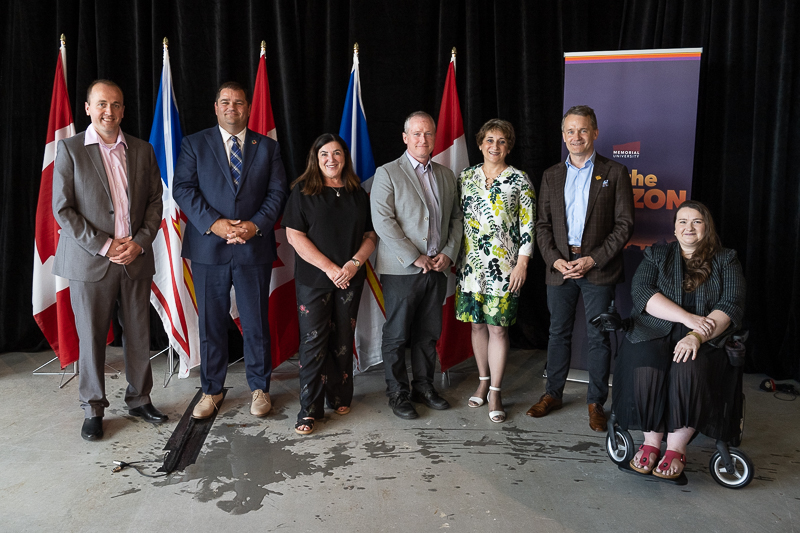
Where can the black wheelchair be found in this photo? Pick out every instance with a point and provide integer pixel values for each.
(729, 466)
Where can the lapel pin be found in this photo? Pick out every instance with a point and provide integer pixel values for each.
(605, 183)
(255, 141)
(597, 177)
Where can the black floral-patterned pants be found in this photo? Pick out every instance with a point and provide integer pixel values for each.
(327, 320)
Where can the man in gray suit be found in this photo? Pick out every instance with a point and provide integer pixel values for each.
(107, 200)
(417, 215)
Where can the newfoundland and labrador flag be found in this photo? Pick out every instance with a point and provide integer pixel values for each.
(371, 313)
(172, 292)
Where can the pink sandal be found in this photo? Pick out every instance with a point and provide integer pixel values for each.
(644, 460)
(666, 462)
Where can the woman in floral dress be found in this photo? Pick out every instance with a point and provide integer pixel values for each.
(499, 206)
(328, 222)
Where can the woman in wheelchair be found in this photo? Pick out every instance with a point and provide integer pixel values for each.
(688, 298)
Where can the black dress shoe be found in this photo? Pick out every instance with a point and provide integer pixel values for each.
(149, 413)
(401, 407)
(92, 428)
(430, 398)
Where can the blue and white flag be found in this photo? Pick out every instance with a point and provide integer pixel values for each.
(371, 313)
(173, 289)
(354, 129)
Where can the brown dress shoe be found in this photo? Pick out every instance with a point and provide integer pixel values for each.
(597, 417)
(207, 405)
(545, 404)
(261, 403)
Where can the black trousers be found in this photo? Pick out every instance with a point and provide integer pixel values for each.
(413, 306)
(327, 320)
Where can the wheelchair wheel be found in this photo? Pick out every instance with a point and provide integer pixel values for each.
(626, 449)
(743, 469)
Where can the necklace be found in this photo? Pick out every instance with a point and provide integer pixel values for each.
(489, 181)
(338, 190)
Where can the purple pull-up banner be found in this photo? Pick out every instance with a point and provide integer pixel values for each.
(646, 106)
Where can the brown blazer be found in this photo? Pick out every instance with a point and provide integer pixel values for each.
(609, 221)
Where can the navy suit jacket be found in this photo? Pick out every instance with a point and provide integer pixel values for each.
(204, 190)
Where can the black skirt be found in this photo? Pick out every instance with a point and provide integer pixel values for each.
(653, 393)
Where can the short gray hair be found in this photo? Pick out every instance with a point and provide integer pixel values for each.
(418, 114)
(581, 111)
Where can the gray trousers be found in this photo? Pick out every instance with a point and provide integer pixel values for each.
(93, 305)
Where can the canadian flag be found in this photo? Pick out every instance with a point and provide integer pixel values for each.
(283, 327)
(52, 309)
(450, 150)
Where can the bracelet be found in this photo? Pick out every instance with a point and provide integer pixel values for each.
(695, 335)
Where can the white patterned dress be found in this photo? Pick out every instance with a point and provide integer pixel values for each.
(498, 227)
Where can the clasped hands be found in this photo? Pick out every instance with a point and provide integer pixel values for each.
(688, 346)
(341, 276)
(233, 231)
(438, 263)
(123, 251)
(574, 269)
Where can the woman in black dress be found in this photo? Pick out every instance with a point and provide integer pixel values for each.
(327, 221)
(688, 298)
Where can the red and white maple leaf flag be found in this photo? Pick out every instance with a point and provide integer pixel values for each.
(283, 327)
(52, 309)
(450, 150)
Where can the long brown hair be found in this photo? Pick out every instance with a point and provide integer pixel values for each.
(311, 178)
(698, 267)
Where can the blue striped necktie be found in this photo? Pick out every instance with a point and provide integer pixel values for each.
(236, 161)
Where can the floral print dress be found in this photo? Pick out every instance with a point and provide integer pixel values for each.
(498, 227)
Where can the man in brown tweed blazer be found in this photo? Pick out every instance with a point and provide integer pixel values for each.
(585, 218)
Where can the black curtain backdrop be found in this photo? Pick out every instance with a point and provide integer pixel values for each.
(510, 65)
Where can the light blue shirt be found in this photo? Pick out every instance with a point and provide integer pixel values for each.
(576, 198)
(431, 191)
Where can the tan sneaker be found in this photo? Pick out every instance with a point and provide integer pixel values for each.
(207, 405)
(261, 403)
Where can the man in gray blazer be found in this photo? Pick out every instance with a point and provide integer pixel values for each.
(107, 200)
(417, 215)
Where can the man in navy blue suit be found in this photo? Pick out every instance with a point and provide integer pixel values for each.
(231, 184)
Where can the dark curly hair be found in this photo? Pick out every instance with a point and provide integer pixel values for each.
(698, 267)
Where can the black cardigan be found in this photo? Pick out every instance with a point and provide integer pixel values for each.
(661, 271)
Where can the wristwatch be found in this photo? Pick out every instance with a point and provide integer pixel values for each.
(258, 231)
(356, 262)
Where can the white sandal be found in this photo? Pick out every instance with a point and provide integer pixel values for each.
(495, 416)
(474, 401)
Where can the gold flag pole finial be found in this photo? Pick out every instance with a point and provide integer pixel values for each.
(63, 40)
(355, 48)
(263, 47)
(453, 51)
(165, 42)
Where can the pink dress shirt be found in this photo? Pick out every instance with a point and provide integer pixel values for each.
(116, 166)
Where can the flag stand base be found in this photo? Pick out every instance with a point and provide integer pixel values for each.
(63, 373)
(171, 363)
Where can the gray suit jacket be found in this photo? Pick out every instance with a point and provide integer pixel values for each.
(83, 208)
(400, 216)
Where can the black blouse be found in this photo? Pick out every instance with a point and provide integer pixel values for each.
(334, 224)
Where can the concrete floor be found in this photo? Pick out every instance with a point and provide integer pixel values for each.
(369, 471)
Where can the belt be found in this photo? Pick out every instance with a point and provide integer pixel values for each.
(575, 249)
